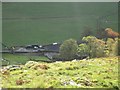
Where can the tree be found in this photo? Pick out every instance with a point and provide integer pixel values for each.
(111, 34)
(100, 34)
(96, 46)
(68, 49)
(83, 49)
(113, 46)
(87, 31)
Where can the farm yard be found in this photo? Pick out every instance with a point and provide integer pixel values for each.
(60, 45)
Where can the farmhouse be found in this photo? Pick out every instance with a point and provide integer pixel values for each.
(54, 47)
(47, 50)
(51, 50)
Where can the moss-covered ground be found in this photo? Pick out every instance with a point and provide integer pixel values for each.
(91, 73)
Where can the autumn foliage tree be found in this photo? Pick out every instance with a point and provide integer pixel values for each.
(95, 47)
(111, 34)
(112, 41)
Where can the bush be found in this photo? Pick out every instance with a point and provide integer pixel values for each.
(95, 47)
(68, 49)
(112, 46)
(83, 50)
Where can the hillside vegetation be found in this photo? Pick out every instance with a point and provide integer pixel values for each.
(44, 23)
(88, 54)
(91, 73)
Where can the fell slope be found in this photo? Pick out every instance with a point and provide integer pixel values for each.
(92, 73)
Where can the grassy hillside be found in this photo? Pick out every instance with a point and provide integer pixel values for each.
(43, 23)
(22, 59)
(92, 73)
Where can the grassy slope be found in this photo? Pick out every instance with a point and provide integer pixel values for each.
(97, 73)
(22, 59)
(55, 21)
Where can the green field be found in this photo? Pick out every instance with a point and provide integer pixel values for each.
(43, 23)
(92, 73)
(21, 59)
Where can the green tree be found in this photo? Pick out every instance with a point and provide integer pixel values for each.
(112, 46)
(68, 49)
(83, 49)
(96, 46)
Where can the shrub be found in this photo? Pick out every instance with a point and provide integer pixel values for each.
(68, 49)
(95, 47)
(112, 45)
(83, 50)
